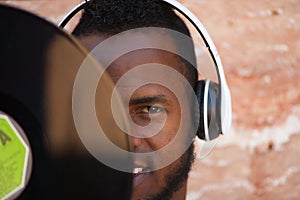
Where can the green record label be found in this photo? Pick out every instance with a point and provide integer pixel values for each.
(13, 159)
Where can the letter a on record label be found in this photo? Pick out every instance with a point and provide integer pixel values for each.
(4, 138)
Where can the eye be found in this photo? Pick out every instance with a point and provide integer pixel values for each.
(152, 109)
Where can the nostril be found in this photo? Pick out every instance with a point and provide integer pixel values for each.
(136, 141)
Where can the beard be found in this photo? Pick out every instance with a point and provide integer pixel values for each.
(176, 178)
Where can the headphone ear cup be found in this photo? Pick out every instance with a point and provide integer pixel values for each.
(199, 120)
(208, 110)
(213, 111)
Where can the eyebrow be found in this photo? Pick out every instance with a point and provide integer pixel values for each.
(149, 99)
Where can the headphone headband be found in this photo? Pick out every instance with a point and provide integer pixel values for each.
(225, 98)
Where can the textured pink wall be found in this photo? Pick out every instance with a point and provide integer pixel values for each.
(259, 43)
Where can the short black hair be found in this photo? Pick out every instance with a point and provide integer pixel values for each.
(115, 16)
(109, 17)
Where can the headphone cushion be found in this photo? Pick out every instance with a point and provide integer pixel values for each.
(199, 118)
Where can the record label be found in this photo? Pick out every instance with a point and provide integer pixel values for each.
(14, 159)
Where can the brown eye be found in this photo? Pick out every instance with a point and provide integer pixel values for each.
(152, 109)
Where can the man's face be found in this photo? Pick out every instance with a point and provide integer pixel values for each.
(150, 106)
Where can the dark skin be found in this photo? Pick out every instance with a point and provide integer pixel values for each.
(159, 103)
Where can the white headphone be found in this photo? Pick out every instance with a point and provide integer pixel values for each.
(214, 99)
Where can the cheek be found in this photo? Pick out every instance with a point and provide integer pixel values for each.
(176, 124)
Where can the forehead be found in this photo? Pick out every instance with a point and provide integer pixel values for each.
(146, 62)
(131, 59)
(140, 37)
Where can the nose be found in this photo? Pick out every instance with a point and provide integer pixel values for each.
(137, 142)
(135, 135)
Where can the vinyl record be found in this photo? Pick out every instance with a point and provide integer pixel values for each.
(41, 153)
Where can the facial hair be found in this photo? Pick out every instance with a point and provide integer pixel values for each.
(176, 178)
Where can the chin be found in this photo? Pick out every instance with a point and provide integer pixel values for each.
(164, 183)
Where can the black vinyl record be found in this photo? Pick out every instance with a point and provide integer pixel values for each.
(38, 66)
